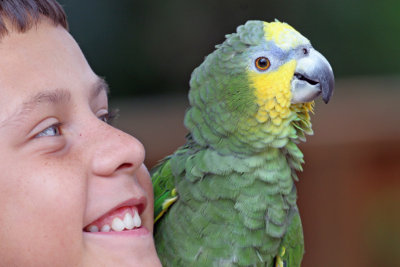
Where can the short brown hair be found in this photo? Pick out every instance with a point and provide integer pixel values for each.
(23, 14)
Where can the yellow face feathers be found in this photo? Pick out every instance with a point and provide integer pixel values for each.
(273, 93)
(284, 35)
(272, 89)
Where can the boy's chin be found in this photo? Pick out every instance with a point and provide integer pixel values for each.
(126, 248)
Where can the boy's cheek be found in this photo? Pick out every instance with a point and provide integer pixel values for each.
(39, 222)
(144, 180)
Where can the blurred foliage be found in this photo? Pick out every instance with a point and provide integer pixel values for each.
(146, 47)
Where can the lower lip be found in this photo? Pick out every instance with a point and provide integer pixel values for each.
(141, 231)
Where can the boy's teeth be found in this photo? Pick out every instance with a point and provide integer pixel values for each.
(137, 222)
(117, 224)
(105, 228)
(93, 228)
(128, 221)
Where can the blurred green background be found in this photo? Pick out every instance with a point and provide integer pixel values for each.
(148, 47)
(349, 192)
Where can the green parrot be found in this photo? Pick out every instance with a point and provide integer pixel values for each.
(227, 197)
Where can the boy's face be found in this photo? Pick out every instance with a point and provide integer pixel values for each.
(61, 166)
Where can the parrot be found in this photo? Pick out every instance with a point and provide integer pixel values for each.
(227, 197)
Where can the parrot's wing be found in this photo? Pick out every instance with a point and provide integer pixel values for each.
(292, 247)
(164, 187)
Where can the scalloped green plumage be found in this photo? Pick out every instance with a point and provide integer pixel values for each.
(235, 175)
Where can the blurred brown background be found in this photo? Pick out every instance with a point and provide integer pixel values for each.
(349, 192)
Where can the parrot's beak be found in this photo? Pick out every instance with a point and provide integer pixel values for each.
(313, 76)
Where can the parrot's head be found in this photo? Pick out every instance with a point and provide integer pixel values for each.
(257, 88)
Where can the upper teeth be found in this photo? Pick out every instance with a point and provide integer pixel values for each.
(93, 228)
(129, 222)
(118, 225)
(105, 228)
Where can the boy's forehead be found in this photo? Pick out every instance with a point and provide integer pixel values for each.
(40, 65)
(40, 46)
(43, 58)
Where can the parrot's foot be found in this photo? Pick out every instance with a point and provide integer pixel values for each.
(167, 203)
(279, 261)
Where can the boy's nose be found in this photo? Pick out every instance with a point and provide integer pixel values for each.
(115, 152)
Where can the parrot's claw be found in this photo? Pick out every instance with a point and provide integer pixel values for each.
(279, 261)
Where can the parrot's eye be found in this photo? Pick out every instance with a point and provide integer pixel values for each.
(305, 51)
(262, 63)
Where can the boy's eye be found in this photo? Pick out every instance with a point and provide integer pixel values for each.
(53, 130)
(109, 116)
(104, 117)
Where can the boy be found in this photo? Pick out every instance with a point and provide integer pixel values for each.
(73, 190)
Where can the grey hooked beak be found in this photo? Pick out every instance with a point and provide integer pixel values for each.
(313, 76)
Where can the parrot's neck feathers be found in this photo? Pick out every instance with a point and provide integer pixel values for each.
(248, 139)
(276, 166)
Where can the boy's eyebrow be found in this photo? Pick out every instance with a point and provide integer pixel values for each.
(99, 86)
(53, 97)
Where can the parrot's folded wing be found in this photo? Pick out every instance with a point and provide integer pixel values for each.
(292, 247)
(164, 188)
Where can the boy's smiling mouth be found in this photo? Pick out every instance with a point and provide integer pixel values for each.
(123, 217)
